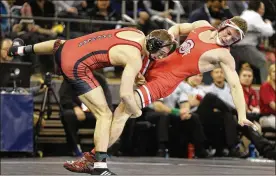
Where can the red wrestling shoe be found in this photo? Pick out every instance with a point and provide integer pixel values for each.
(83, 165)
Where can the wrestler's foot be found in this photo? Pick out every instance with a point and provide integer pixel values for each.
(17, 47)
(82, 165)
(104, 171)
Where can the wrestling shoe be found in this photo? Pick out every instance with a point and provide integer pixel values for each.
(99, 171)
(83, 165)
(17, 48)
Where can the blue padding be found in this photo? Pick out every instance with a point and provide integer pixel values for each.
(16, 113)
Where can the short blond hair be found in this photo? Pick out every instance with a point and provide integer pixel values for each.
(161, 34)
(241, 23)
(269, 72)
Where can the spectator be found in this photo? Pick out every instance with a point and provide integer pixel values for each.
(267, 100)
(5, 10)
(43, 8)
(76, 115)
(158, 13)
(5, 45)
(246, 51)
(32, 33)
(70, 8)
(143, 17)
(161, 122)
(222, 90)
(216, 117)
(250, 95)
(186, 127)
(103, 11)
(237, 7)
(190, 6)
(213, 11)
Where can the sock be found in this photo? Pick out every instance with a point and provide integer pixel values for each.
(101, 156)
(101, 160)
(100, 165)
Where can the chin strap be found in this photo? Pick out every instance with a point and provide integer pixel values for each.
(231, 24)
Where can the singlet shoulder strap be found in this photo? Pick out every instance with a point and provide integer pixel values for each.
(131, 29)
(204, 28)
(133, 43)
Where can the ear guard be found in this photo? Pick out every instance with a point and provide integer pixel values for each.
(154, 44)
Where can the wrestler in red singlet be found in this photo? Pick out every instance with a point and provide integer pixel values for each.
(165, 75)
(79, 57)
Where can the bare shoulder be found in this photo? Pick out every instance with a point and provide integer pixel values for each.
(225, 57)
(122, 54)
(131, 34)
(201, 23)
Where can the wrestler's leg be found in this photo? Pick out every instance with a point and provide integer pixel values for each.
(47, 47)
(96, 102)
(119, 120)
(43, 48)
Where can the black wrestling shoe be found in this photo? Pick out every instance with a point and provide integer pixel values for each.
(98, 171)
(14, 49)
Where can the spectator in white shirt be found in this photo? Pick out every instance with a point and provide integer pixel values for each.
(246, 51)
(187, 126)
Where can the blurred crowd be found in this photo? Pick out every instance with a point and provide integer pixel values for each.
(208, 118)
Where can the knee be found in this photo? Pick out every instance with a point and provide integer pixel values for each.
(210, 96)
(104, 113)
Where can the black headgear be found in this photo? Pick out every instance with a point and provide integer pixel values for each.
(154, 44)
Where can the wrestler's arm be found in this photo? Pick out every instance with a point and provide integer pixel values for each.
(133, 64)
(228, 65)
(186, 28)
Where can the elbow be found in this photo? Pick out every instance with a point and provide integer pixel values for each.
(125, 97)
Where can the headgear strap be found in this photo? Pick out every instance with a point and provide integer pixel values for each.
(229, 23)
(154, 44)
(233, 25)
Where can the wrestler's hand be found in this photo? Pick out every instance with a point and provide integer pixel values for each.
(131, 106)
(136, 114)
(246, 122)
(140, 80)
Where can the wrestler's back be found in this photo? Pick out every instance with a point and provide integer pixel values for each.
(95, 48)
(185, 61)
(182, 63)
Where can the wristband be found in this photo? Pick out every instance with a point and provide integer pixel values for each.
(175, 112)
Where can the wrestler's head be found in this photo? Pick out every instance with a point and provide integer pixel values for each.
(159, 44)
(231, 31)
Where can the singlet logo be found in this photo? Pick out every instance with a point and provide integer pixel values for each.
(94, 38)
(186, 47)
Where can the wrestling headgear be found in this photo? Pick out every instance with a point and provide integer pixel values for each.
(154, 45)
(229, 23)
